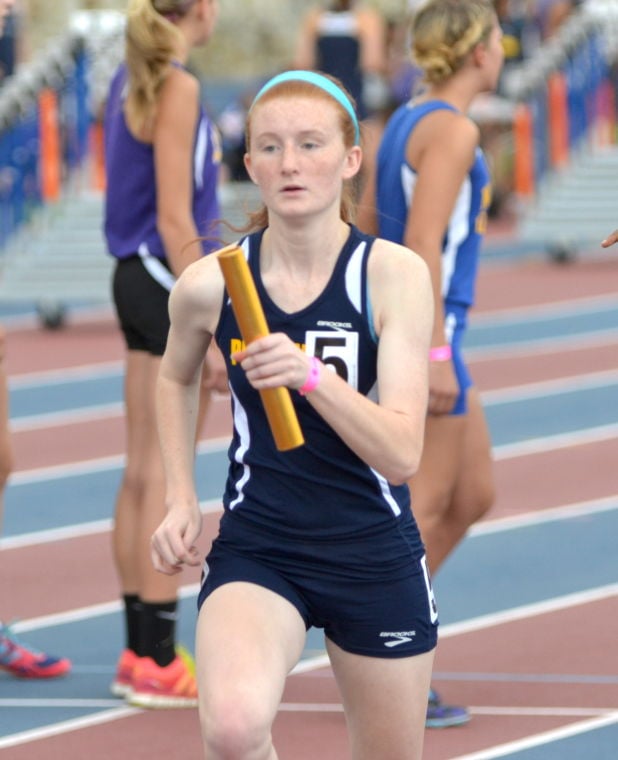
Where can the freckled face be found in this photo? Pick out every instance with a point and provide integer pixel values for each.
(297, 155)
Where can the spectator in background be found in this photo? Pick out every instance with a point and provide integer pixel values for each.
(521, 32)
(10, 42)
(348, 41)
(16, 657)
(553, 13)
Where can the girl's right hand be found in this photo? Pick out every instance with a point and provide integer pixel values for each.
(172, 544)
(443, 387)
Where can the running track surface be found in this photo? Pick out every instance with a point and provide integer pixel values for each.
(528, 602)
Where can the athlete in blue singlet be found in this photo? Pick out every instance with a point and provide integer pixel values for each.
(321, 535)
(395, 183)
(161, 156)
(432, 195)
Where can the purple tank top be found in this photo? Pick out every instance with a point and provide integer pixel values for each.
(130, 224)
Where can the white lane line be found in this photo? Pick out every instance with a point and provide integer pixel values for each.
(539, 517)
(555, 442)
(100, 464)
(118, 713)
(321, 661)
(525, 611)
(552, 310)
(546, 737)
(572, 384)
(585, 381)
(214, 506)
(86, 613)
(81, 530)
(29, 422)
(329, 707)
(534, 346)
(45, 732)
(596, 434)
(482, 622)
(89, 704)
(62, 375)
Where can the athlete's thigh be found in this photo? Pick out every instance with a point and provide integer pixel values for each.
(433, 484)
(475, 477)
(385, 700)
(139, 390)
(248, 639)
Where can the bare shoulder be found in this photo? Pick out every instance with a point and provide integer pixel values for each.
(449, 129)
(400, 287)
(198, 293)
(443, 137)
(390, 260)
(180, 89)
(311, 19)
(368, 16)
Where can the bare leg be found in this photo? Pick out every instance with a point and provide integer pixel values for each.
(385, 702)
(248, 639)
(140, 505)
(6, 450)
(453, 487)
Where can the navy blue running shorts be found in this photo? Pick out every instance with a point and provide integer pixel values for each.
(141, 306)
(375, 618)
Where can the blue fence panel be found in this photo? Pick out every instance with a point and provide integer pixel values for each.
(20, 144)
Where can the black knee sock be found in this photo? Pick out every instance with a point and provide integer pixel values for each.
(158, 631)
(132, 614)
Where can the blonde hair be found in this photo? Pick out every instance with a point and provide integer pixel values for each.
(293, 88)
(444, 32)
(152, 40)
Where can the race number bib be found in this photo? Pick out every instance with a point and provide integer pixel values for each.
(337, 350)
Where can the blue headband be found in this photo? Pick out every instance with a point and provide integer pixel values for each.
(319, 80)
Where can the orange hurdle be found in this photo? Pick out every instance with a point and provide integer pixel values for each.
(524, 151)
(49, 132)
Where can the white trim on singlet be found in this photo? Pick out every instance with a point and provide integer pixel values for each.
(338, 24)
(386, 493)
(201, 149)
(457, 232)
(353, 277)
(241, 425)
(156, 268)
(458, 225)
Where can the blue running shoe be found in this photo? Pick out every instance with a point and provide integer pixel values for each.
(440, 715)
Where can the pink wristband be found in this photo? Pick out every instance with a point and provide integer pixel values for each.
(440, 354)
(313, 378)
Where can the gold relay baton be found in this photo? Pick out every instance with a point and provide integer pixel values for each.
(252, 322)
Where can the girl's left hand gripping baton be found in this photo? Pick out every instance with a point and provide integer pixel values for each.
(252, 322)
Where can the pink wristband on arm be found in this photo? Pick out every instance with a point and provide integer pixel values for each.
(313, 378)
(440, 354)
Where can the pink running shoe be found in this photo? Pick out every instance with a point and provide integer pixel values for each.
(122, 685)
(24, 661)
(171, 686)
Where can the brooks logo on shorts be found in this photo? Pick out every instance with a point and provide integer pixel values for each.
(399, 637)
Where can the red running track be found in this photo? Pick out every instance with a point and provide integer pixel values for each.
(506, 707)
